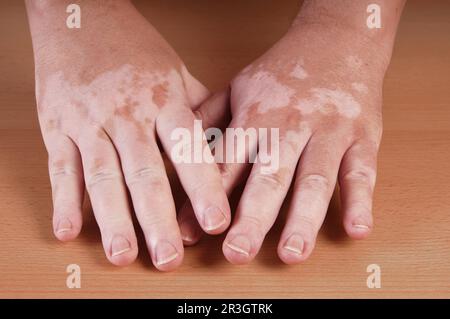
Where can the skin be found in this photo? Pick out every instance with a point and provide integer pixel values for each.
(107, 94)
(321, 85)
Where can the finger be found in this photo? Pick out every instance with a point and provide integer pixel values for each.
(233, 151)
(196, 91)
(107, 191)
(314, 185)
(195, 167)
(233, 165)
(262, 198)
(214, 113)
(66, 177)
(357, 181)
(153, 203)
(191, 231)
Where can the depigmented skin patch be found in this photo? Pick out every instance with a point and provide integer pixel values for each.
(325, 100)
(269, 91)
(270, 97)
(360, 87)
(262, 88)
(114, 99)
(293, 129)
(309, 95)
(319, 114)
(299, 72)
(354, 62)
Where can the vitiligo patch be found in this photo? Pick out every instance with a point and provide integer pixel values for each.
(265, 89)
(360, 87)
(109, 91)
(354, 62)
(325, 100)
(299, 72)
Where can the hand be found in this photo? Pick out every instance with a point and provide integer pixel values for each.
(322, 89)
(106, 93)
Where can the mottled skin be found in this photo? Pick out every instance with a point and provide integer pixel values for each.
(321, 85)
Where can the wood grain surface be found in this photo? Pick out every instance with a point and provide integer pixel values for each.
(411, 239)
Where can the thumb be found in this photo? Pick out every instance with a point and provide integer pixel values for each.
(196, 91)
(215, 110)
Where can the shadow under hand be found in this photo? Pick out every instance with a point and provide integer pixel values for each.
(332, 228)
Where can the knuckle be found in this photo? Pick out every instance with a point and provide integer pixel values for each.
(151, 176)
(315, 181)
(365, 176)
(58, 171)
(58, 168)
(275, 180)
(102, 175)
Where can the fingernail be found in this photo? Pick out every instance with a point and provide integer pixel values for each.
(186, 230)
(186, 238)
(294, 244)
(165, 253)
(240, 244)
(64, 225)
(360, 224)
(119, 245)
(213, 218)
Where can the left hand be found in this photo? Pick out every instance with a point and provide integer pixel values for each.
(326, 104)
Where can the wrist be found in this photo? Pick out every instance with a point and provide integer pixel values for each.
(50, 15)
(43, 6)
(47, 20)
(343, 24)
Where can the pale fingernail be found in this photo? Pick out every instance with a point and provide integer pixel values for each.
(240, 244)
(165, 253)
(186, 238)
(119, 245)
(213, 219)
(64, 225)
(294, 244)
(187, 230)
(360, 224)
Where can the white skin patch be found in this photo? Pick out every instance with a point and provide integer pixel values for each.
(294, 137)
(360, 87)
(354, 62)
(322, 99)
(108, 91)
(299, 72)
(263, 88)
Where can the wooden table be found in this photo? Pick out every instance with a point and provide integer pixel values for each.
(411, 240)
